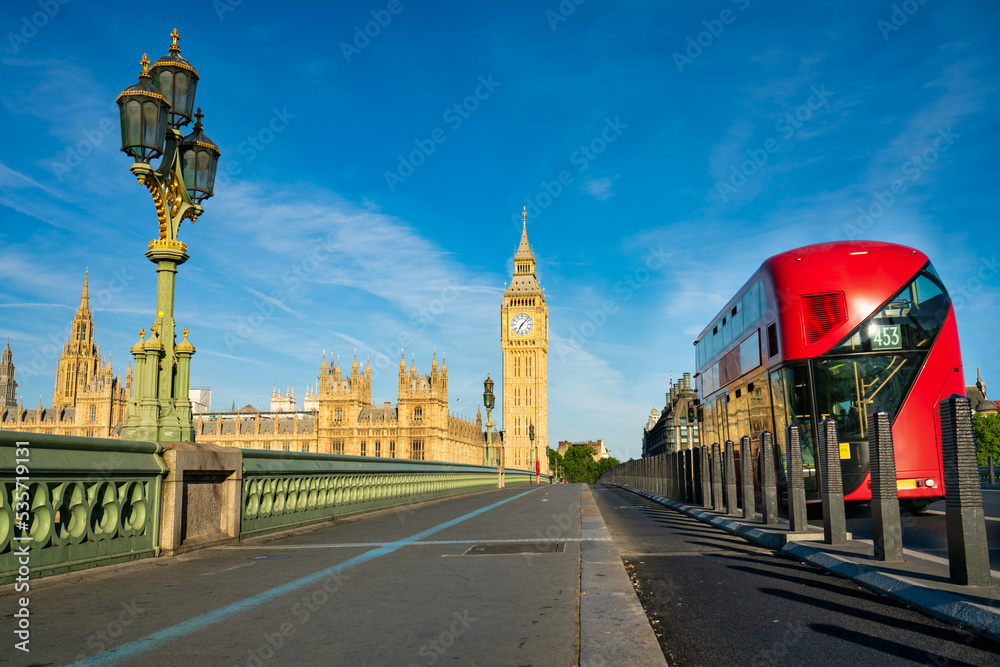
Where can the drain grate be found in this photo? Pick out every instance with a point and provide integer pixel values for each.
(515, 548)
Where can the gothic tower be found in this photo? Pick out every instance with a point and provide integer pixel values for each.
(8, 387)
(524, 336)
(80, 357)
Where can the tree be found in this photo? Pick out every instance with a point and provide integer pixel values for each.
(555, 462)
(987, 429)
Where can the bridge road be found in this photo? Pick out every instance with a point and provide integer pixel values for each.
(397, 587)
(713, 599)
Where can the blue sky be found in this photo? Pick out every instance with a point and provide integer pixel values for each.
(663, 151)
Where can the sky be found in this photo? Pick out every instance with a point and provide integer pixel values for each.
(376, 157)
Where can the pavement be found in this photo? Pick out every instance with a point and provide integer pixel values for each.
(921, 581)
(503, 577)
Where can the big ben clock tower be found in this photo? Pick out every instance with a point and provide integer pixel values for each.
(524, 334)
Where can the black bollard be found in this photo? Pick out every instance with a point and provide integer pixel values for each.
(679, 462)
(688, 477)
(696, 470)
(968, 553)
(832, 492)
(768, 479)
(716, 477)
(730, 476)
(887, 531)
(706, 478)
(797, 520)
(746, 473)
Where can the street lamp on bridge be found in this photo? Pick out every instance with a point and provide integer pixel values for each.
(152, 113)
(492, 456)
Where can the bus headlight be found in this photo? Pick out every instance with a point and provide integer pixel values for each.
(930, 482)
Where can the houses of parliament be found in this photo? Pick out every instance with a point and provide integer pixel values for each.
(339, 417)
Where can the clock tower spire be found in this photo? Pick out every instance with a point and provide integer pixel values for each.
(524, 336)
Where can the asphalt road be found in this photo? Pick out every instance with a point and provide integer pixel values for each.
(927, 532)
(397, 587)
(712, 599)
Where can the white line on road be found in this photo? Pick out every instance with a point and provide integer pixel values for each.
(365, 545)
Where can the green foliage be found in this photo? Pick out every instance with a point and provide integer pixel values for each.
(987, 430)
(579, 465)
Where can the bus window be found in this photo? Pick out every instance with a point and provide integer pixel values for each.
(793, 382)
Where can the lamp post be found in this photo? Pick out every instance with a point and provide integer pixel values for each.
(152, 113)
(492, 457)
(531, 439)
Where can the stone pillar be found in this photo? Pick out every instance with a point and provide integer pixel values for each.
(680, 475)
(716, 477)
(832, 484)
(706, 478)
(730, 475)
(887, 532)
(968, 554)
(797, 520)
(202, 496)
(768, 479)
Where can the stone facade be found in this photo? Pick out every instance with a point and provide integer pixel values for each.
(524, 337)
(672, 430)
(346, 421)
(596, 446)
(88, 400)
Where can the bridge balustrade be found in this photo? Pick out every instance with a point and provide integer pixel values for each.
(88, 501)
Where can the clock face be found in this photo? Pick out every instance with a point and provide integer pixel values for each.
(521, 324)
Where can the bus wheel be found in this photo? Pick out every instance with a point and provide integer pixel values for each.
(914, 505)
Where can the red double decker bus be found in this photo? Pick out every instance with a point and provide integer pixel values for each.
(836, 330)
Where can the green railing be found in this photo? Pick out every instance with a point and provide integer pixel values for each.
(82, 501)
(283, 490)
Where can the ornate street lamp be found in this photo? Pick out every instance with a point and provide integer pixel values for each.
(143, 112)
(531, 439)
(152, 113)
(489, 401)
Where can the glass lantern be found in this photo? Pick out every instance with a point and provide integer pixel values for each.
(199, 159)
(176, 79)
(143, 111)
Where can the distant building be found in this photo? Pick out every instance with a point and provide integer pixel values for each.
(671, 429)
(345, 421)
(977, 395)
(201, 400)
(599, 451)
(88, 400)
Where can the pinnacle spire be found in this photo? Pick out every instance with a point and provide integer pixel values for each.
(85, 295)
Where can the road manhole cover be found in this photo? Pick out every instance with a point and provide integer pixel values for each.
(513, 548)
